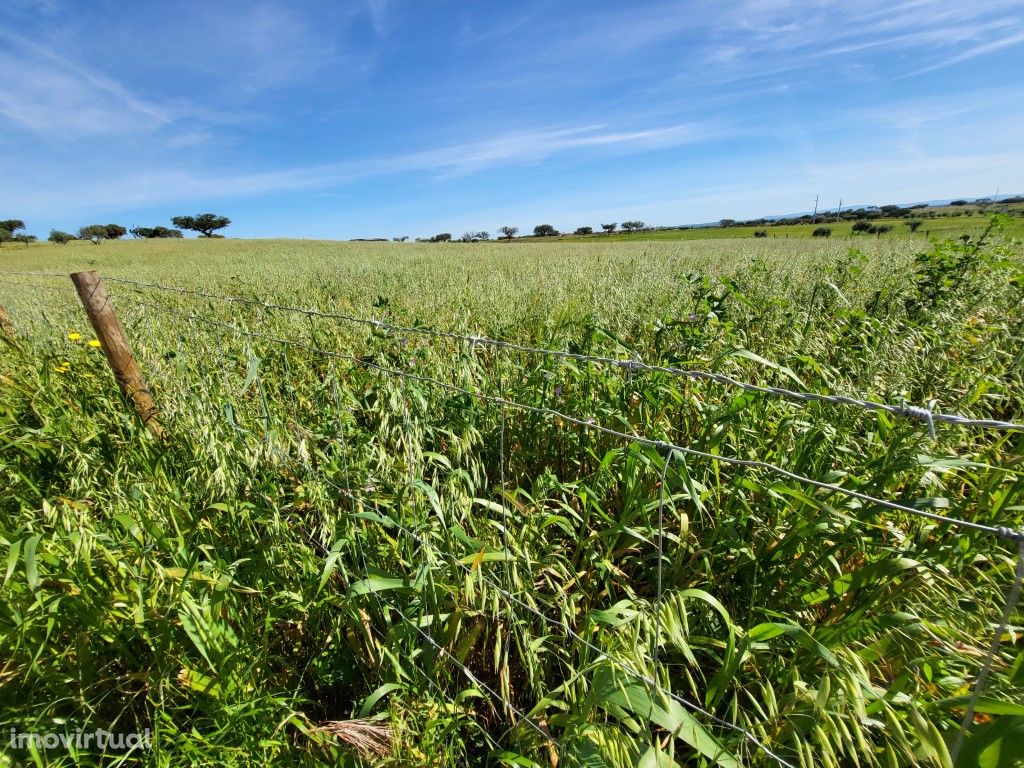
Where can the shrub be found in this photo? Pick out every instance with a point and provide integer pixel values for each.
(760, 233)
(584, 231)
(544, 230)
(61, 238)
(822, 232)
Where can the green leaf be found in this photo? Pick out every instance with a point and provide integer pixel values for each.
(31, 568)
(621, 613)
(375, 584)
(13, 553)
(655, 758)
(985, 705)
(613, 691)
(377, 695)
(770, 630)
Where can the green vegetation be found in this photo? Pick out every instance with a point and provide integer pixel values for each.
(206, 224)
(940, 226)
(59, 237)
(257, 590)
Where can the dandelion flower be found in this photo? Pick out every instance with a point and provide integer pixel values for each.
(94, 343)
(74, 336)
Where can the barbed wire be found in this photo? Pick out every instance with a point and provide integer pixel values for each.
(926, 415)
(591, 423)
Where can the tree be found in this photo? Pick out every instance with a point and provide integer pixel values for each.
(508, 232)
(12, 225)
(727, 222)
(26, 239)
(444, 237)
(863, 226)
(584, 231)
(544, 230)
(149, 233)
(822, 232)
(5, 236)
(401, 239)
(96, 233)
(913, 224)
(632, 226)
(115, 231)
(609, 228)
(205, 223)
(61, 238)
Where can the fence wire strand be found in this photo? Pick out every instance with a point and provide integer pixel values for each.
(925, 415)
(592, 424)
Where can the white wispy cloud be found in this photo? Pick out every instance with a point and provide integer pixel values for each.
(139, 188)
(49, 94)
(973, 52)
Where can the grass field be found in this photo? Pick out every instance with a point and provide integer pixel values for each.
(942, 225)
(328, 563)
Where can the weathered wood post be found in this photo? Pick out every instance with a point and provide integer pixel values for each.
(115, 345)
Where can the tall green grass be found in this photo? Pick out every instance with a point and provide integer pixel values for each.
(262, 588)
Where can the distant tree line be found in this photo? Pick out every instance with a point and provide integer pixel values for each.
(9, 232)
(508, 233)
(206, 224)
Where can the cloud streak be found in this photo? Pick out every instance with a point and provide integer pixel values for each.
(50, 95)
(518, 148)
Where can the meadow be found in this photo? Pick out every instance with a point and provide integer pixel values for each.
(356, 548)
(935, 222)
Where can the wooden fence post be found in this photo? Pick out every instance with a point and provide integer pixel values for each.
(115, 345)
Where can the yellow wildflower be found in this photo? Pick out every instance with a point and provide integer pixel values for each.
(74, 336)
(94, 343)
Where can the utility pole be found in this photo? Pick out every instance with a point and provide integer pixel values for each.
(839, 210)
(814, 218)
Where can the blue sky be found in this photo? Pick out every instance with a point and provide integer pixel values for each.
(379, 118)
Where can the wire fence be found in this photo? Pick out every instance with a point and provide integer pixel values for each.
(667, 450)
